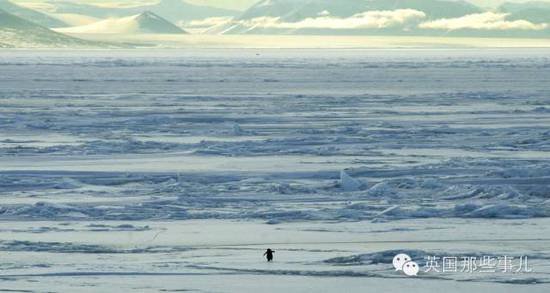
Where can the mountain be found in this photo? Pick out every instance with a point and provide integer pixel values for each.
(16, 32)
(393, 18)
(292, 11)
(537, 12)
(172, 10)
(515, 6)
(143, 23)
(31, 15)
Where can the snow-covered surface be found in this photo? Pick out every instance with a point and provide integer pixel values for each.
(143, 23)
(226, 256)
(202, 41)
(173, 10)
(35, 16)
(16, 32)
(173, 170)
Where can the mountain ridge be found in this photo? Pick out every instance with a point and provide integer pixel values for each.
(16, 32)
(30, 14)
(172, 10)
(146, 22)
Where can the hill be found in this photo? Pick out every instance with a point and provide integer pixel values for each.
(16, 32)
(532, 11)
(172, 10)
(30, 15)
(143, 23)
(343, 16)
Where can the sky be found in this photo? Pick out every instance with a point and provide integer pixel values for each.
(243, 4)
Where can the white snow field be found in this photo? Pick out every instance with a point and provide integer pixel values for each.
(173, 170)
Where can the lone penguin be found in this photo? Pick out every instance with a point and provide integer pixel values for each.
(269, 254)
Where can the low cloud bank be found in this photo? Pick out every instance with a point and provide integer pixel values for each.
(379, 19)
(482, 21)
(369, 19)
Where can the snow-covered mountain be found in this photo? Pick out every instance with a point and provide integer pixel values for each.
(517, 6)
(376, 16)
(31, 15)
(172, 10)
(382, 17)
(295, 10)
(535, 11)
(301, 17)
(143, 23)
(16, 32)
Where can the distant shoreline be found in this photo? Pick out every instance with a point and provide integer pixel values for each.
(156, 41)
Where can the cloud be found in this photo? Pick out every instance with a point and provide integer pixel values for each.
(482, 21)
(207, 22)
(400, 18)
(368, 19)
(75, 19)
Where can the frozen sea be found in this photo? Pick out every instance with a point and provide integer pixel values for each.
(173, 170)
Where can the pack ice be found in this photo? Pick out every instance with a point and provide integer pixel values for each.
(336, 159)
